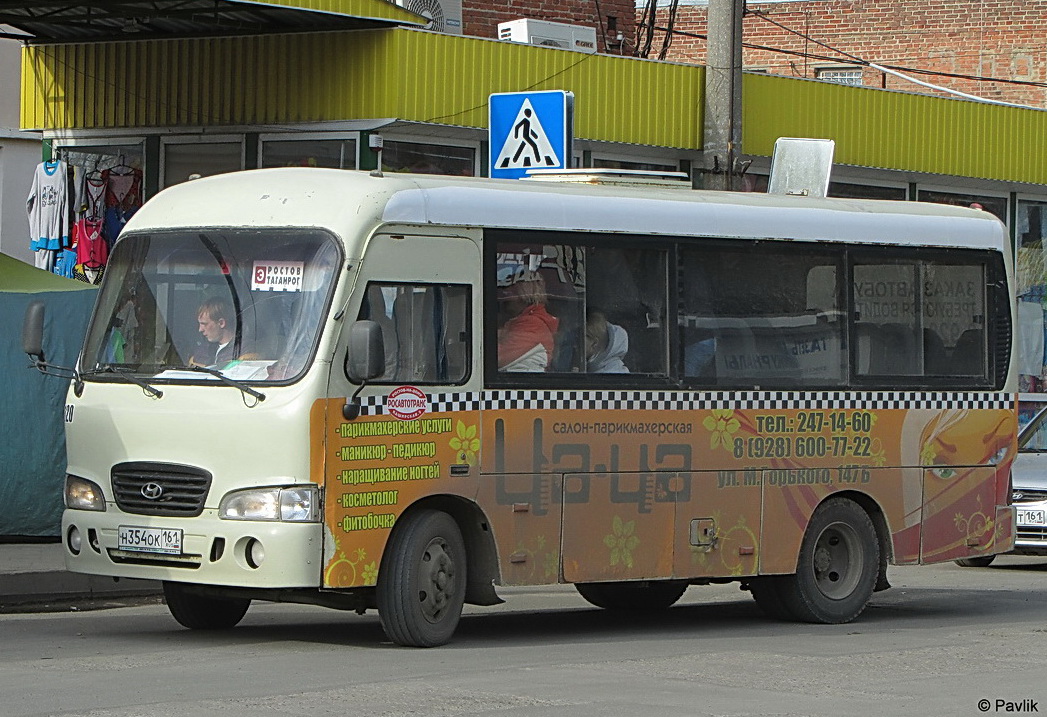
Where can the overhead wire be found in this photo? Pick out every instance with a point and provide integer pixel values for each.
(899, 71)
(865, 63)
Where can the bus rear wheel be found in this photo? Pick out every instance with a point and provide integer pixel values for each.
(421, 583)
(203, 612)
(837, 567)
(643, 595)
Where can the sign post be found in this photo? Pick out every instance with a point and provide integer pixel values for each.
(530, 130)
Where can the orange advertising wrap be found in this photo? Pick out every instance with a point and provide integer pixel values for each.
(623, 485)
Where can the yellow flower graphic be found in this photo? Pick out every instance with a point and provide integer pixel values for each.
(928, 454)
(722, 424)
(551, 564)
(622, 542)
(370, 573)
(466, 444)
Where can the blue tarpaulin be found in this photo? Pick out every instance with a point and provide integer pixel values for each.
(32, 448)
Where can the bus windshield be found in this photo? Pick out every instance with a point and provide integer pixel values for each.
(245, 304)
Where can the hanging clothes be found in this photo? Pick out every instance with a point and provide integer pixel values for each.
(94, 195)
(123, 197)
(65, 263)
(48, 208)
(92, 252)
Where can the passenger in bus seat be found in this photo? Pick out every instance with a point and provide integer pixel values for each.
(526, 337)
(606, 344)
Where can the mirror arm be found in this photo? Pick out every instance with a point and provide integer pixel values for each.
(50, 369)
(351, 408)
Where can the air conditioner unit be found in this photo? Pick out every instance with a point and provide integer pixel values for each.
(549, 34)
(443, 15)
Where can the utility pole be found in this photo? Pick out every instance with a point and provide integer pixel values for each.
(722, 133)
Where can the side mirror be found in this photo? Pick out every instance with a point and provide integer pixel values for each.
(33, 331)
(365, 359)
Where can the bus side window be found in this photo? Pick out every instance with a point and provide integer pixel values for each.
(425, 331)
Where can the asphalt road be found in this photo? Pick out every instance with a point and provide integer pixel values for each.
(942, 640)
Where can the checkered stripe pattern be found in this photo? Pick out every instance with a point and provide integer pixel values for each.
(699, 400)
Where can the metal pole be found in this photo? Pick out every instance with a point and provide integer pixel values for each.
(722, 140)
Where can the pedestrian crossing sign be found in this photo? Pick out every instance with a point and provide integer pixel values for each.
(530, 130)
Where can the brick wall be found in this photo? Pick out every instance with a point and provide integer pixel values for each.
(480, 18)
(987, 38)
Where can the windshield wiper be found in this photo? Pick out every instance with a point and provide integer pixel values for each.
(225, 379)
(127, 376)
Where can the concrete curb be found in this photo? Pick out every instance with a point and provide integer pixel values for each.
(56, 585)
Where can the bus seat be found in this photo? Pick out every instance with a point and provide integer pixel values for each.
(376, 312)
(415, 331)
(868, 349)
(898, 353)
(565, 345)
(454, 341)
(968, 355)
(935, 355)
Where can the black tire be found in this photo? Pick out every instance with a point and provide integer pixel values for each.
(421, 583)
(982, 561)
(767, 594)
(837, 567)
(202, 612)
(644, 595)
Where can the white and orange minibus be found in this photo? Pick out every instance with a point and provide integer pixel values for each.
(446, 385)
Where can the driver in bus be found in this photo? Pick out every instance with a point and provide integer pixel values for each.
(525, 339)
(218, 326)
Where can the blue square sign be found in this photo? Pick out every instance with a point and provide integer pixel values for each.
(530, 130)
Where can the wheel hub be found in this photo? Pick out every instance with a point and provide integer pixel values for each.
(837, 561)
(436, 580)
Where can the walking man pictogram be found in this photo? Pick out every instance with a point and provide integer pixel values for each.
(522, 130)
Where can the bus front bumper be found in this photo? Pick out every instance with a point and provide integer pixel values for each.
(202, 549)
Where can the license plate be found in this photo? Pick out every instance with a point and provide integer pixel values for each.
(150, 540)
(1032, 517)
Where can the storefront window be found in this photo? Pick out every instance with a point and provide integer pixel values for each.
(642, 166)
(1031, 269)
(865, 191)
(203, 159)
(331, 153)
(428, 159)
(996, 205)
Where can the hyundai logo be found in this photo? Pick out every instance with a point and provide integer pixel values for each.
(152, 491)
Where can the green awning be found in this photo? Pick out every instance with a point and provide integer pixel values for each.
(20, 278)
(66, 21)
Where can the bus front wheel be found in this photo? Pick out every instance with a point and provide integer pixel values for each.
(421, 583)
(837, 567)
(202, 612)
(657, 595)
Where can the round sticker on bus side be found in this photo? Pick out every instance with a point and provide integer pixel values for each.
(407, 403)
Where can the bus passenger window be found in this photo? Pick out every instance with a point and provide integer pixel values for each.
(580, 309)
(918, 318)
(425, 331)
(761, 315)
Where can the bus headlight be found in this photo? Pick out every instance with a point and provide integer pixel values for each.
(297, 504)
(82, 494)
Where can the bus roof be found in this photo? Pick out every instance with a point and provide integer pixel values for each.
(348, 201)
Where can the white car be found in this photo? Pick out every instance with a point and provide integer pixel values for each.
(1028, 491)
